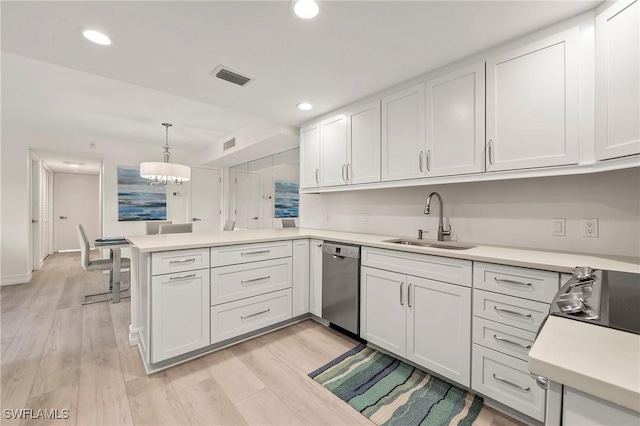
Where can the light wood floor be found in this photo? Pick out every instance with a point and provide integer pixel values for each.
(58, 354)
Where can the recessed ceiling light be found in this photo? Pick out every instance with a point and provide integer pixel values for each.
(97, 37)
(304, 106)
(306, 9)
(75, 166)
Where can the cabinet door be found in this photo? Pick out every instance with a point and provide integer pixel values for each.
(533, 105)
(310, 156)
(179, 313)
(363, 142)
(455, 123)
(439, 328)
(333, 146)
(403, 145)
(315, 277)
(300, 297)
(618, 80)
(383, 309)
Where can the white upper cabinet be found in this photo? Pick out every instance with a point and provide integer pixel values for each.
(363, 142)
(333, 148)
(310, 156)
(455, 123)
(618, 80)
(403, 142)
(533, 104)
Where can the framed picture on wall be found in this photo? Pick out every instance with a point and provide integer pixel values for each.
(137, 200)
(287, 199)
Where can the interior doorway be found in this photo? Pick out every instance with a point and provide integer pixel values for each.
(247, 200)
(206, 194)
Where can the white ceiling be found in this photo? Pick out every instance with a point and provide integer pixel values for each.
(55, 161)
(352, 49)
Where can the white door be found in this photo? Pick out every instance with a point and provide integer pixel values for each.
(618, 80)
(315, 277)
(383, 311)
(205, 199)
(363, 143)
(403, 144)
(439, 328)
(533, 104)
(247, 199)
(45, 214)
(76, 201)
(333, 148)
(36, 219)
(455, 123)
(310, 156)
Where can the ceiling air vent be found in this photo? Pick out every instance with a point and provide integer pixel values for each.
(229, 144)
(226, 74)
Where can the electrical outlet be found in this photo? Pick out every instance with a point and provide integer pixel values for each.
(327, 217)
(590, 228)
(365, 218)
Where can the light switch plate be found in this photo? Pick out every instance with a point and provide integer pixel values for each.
(558, 227)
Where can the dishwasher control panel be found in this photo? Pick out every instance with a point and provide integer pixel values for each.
(339, 249)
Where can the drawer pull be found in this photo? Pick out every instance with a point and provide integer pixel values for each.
(401, 286)
(502, 280)
(257, 313)
(502, 339)
(184, 277)
(515, 385)
(255, 252)
(255, 279)
(193, 259)
(507, 311)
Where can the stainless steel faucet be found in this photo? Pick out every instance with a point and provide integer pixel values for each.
(427, 209)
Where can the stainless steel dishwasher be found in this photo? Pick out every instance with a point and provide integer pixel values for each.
(341, 285)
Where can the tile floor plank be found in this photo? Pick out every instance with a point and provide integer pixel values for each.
(205, 403)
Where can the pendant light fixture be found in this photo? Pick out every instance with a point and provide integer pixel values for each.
(166, 172)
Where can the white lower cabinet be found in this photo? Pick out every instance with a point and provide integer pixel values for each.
(506, 379)
(581, 409)
(233, 319)
(425, 321)
(315, 277)
(179, 313)
(300, 284)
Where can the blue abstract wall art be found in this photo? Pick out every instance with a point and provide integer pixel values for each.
(287, 199)
(137, 200)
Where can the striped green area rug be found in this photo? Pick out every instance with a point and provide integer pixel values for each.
(390, 392)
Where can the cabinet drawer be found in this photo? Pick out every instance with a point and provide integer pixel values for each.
(243, 316)
(232, 255)
(521, 282)
(167, 262)
(229, 283)
(509, 310)
(507, 380)
(455, 271)
(503, 338)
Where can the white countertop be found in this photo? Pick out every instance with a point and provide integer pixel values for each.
(536, 259)
(596, 360)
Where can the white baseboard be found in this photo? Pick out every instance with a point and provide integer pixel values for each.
(15, 279)
(133, 336)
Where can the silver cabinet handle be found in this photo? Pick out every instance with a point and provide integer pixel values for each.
(489, 151)
(255, 252)
(64, 217)
(344, 166)
(255, 279)
(502, 339)
(349, 174)
(257, 313)
(184, 277)
(515, 385)
(428, 160)
(420, 160)
(507, 311)
(317, 180)
(409, 295)
(401, 298)
(502, 280)
(193, 259)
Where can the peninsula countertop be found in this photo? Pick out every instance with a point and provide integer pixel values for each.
(527, 258)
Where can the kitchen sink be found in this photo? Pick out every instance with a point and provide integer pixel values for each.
(447, 245)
